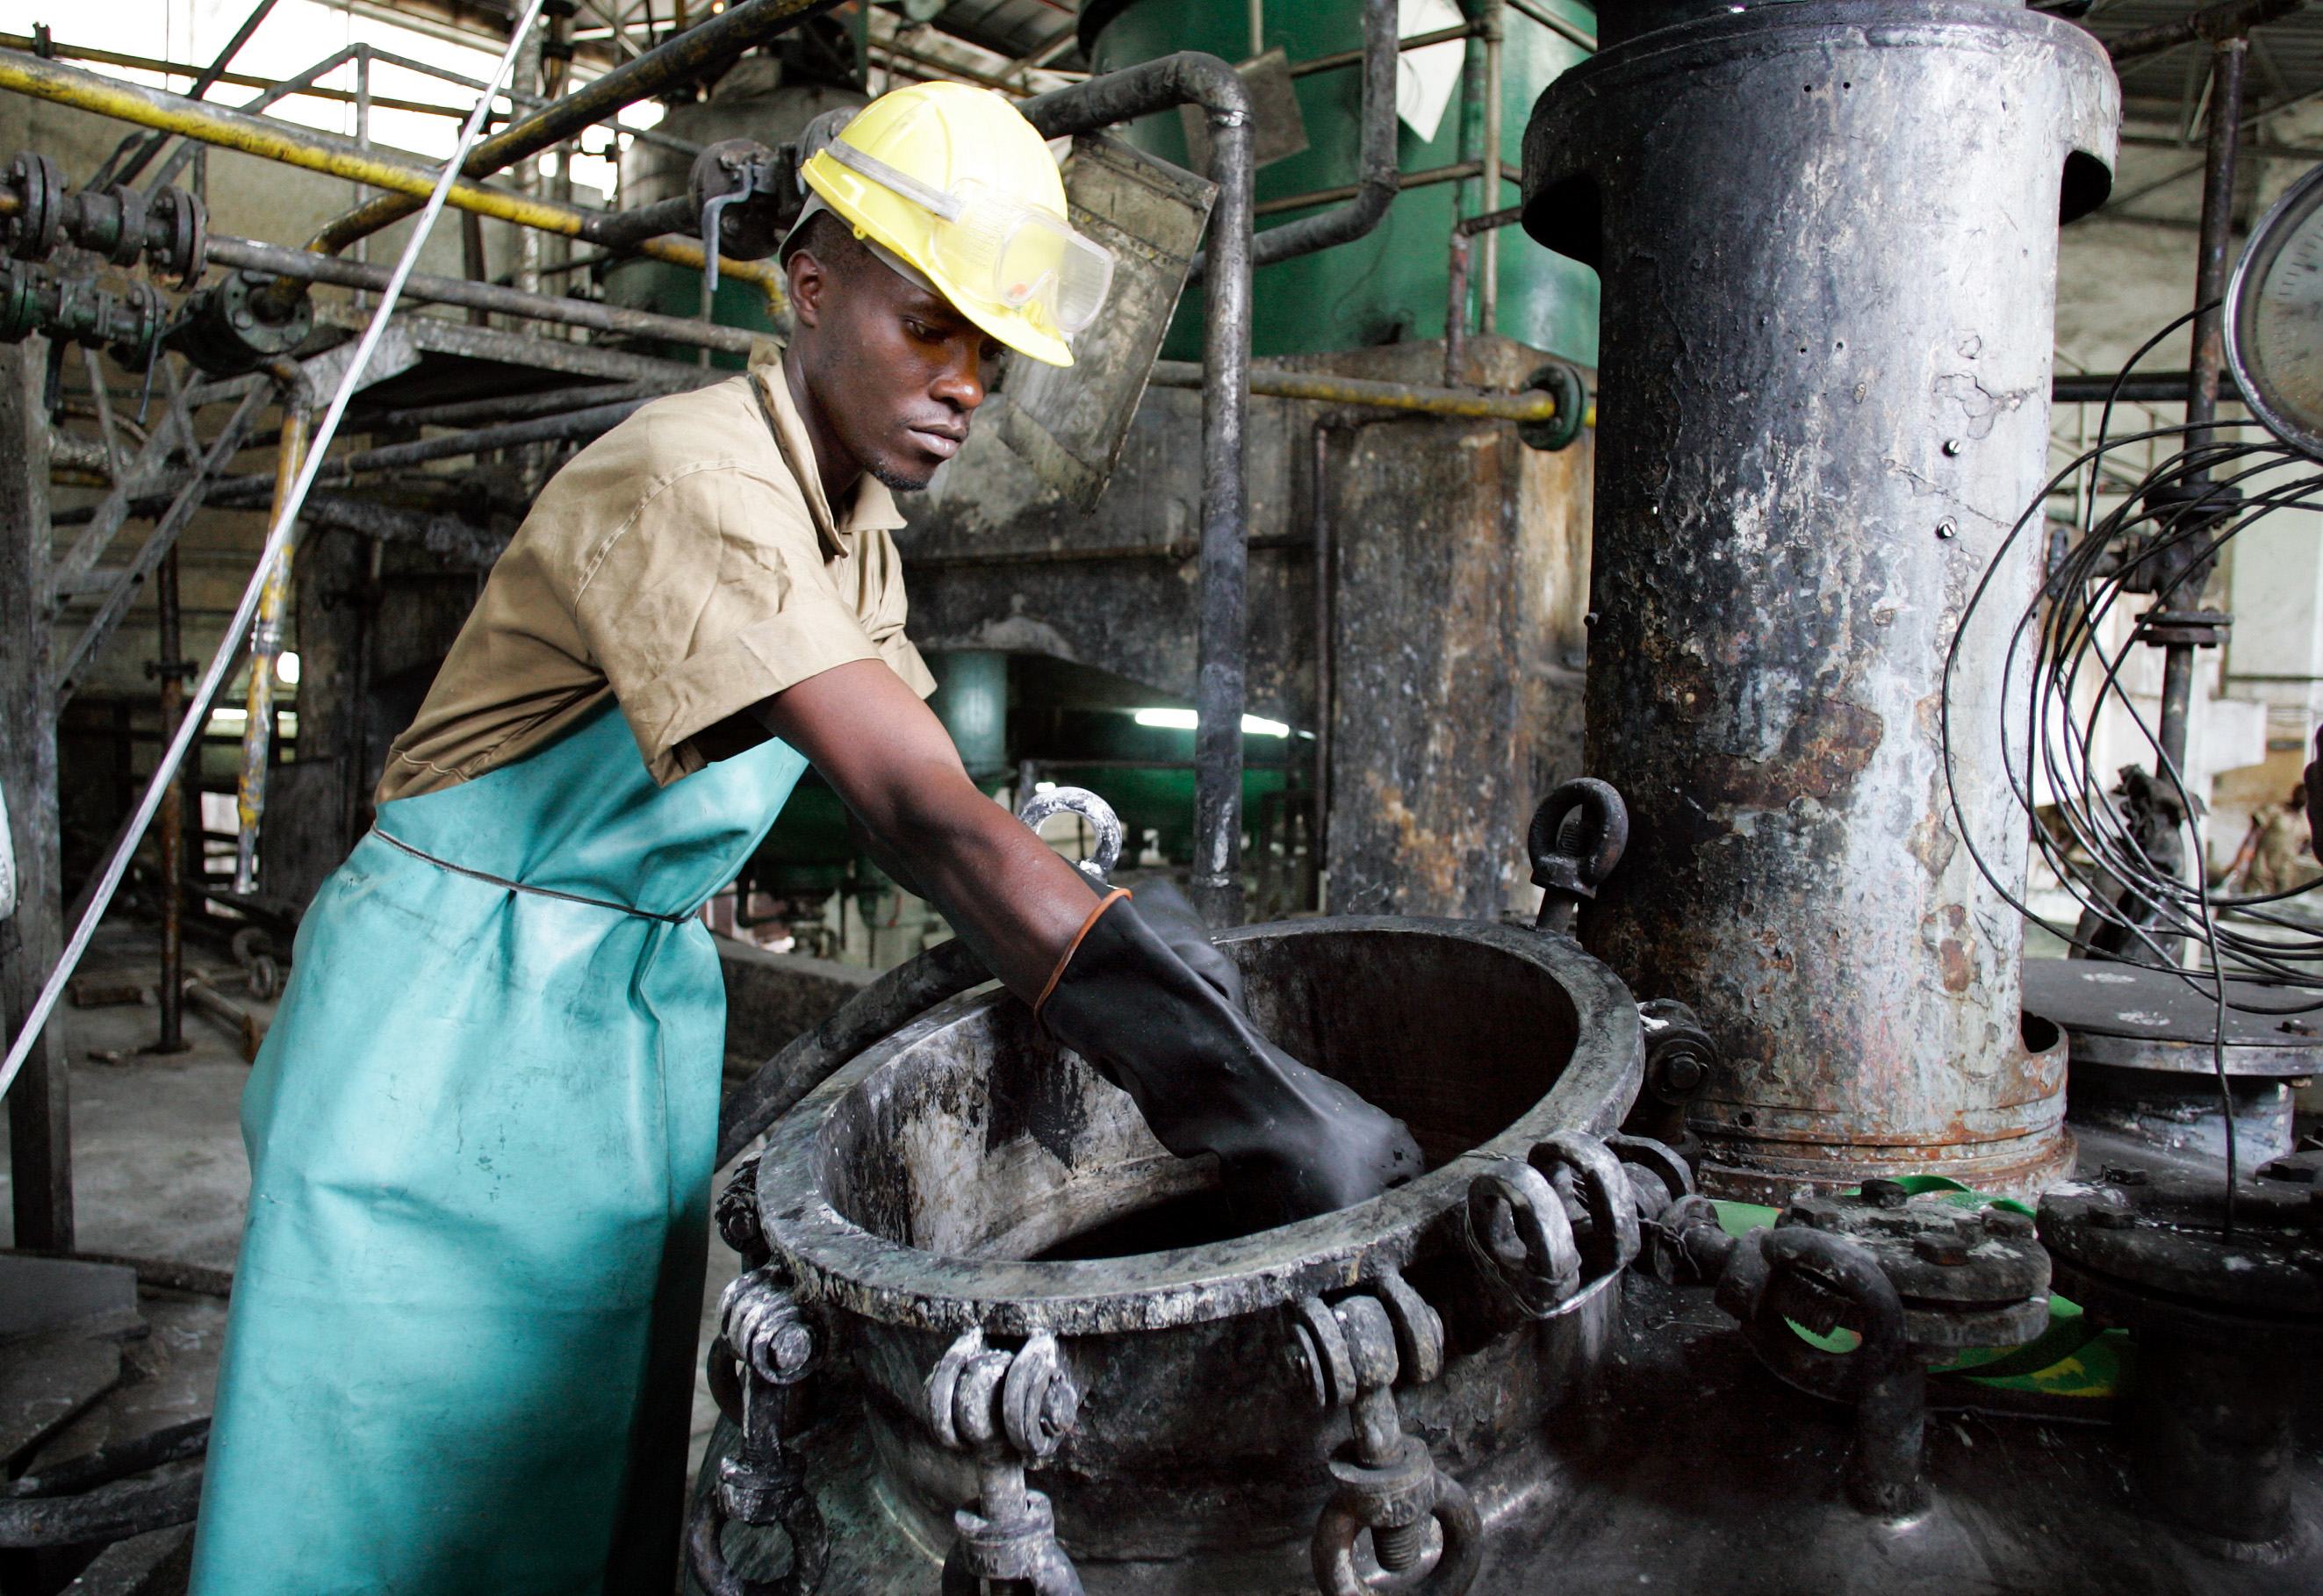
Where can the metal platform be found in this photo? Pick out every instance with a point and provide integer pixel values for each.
(2137, 1017)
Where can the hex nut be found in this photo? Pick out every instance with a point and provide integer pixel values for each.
(1938, 1247)
(2006, 1221)
(1885, 1193)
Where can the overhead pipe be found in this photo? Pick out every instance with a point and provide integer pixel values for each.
(681, 60)
(2216, 23)
(266, 636)
(337, 157)
(1219, 693)
(2213, 260)
(1378, 178)
(1275, 382)
(308, 266)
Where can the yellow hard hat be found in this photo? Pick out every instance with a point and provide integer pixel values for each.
(957, 183)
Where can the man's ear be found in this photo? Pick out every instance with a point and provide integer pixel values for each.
(810, 282)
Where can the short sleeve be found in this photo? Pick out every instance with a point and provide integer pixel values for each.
(885, 609)
(710, 599)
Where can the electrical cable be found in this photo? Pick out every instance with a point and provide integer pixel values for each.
(2117, 860)
(278, 538)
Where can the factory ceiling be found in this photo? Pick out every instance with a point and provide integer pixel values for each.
(2286, 59)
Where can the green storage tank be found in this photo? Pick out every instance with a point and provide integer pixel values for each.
(1388, 287)
(767, 96)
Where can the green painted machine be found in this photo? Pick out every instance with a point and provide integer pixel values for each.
(1389, 287)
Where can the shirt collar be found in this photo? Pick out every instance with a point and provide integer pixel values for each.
(871, 507)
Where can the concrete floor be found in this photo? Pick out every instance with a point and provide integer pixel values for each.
(158, 1173)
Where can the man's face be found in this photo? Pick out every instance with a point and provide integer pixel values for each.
(894, 369)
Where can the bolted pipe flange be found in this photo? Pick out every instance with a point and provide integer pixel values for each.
(178, 228)
(1564, 383)
(233, 326)
(37, 228)
(120, 234)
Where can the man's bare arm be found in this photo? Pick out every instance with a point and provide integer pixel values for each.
(887, 756)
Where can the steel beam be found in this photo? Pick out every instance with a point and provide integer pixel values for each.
(39, 1115)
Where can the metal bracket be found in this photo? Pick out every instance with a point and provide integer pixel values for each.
(1007, 1409)
(1354, 1350)
(767, 1345)
(1575, 839)
(1552, 1232)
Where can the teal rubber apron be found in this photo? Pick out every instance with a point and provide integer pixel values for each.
(460, 1351)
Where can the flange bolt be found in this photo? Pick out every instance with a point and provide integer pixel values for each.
(1885, 1193)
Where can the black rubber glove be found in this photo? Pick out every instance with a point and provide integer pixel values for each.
(1176, 921)
(1289, 1139)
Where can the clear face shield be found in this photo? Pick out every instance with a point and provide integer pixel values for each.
(1000, 249)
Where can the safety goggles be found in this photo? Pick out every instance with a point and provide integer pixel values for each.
(998, 248)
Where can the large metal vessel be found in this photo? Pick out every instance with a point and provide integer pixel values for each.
(965, 1176)
(1829, 238)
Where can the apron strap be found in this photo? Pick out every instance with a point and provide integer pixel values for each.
(544, 892)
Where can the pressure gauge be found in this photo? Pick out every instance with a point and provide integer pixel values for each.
(2274, 318)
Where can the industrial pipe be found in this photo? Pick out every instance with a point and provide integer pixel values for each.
(1459, 172)
(1376, 183)
(1378, 178)
(1275, 382)
(728, 33)
(336, 157)
(1219, 690)
(308, 266)
(172, 670)
(1455, 295)
(266, 636)
(2216, 23)
(2213, 260)
(590, 423)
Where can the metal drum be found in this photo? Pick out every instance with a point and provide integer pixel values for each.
(967, 1176)
(1828, 233)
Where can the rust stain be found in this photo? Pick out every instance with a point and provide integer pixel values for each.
(1422, 852)
(1955, 948)
(1821, 755)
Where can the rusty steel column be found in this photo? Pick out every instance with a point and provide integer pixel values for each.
(1828, 237)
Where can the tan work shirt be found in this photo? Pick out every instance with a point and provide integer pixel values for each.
(680, 563)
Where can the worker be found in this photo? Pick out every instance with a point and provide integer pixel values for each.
(2274, 857)
(481, 1130)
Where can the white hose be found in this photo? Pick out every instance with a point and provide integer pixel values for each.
(278, 536)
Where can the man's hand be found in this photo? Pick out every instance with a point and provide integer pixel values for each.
(890, 760)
